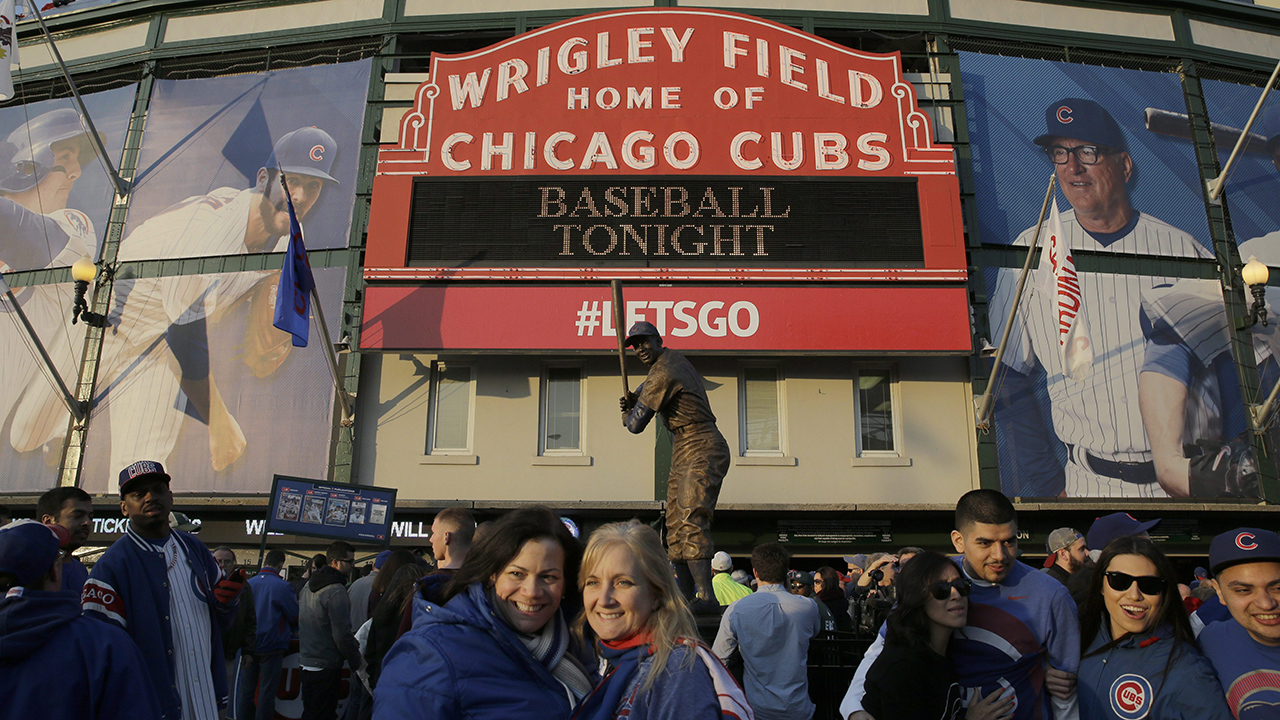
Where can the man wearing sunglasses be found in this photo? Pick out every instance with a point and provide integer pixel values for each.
(1245, 650)
(1108, 454)
(1022, 634)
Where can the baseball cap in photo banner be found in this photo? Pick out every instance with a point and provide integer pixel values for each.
(858, 560)
(28, 549)
(1116, 525)
(1083, 120)
(721, 562)
(305, 151)
(141, 470)
(1243, 545)
(1058, 539)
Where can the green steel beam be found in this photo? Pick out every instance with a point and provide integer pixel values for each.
(1228, 258)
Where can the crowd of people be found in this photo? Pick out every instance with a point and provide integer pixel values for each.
(517, 618)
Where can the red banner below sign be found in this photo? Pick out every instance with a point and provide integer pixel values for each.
(766, 319)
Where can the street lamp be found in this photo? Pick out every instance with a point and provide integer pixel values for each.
(1255, 276)
(83, 271)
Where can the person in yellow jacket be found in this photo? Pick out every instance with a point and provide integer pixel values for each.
(727, 590)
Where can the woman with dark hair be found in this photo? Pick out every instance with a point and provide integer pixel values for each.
(395, 561)
(384, 622)
(913, 678)
(499, 646)
(1142, 660)
(826, 588)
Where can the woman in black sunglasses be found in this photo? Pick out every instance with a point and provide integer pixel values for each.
(913, 678)
(1142, 660)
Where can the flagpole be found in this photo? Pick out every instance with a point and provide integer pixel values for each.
(984, 403)
(121, 186)
(343, 397)
(76, 407)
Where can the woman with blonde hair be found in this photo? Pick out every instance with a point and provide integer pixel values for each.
(652, 663)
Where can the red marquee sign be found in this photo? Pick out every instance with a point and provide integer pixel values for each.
(702, 318)
(651, 93)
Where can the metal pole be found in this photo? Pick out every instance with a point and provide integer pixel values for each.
(1261, 415)
(122, 187)
(1218, 184)
(343, 397)
(984, 402)
(262, 547)
(75, 406)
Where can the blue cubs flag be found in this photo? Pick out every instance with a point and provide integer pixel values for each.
(293, 296)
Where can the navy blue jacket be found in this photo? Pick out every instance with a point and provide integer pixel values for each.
(1128, 681)
(463, 661)
(277, 609)
(56, 663)
(129, 586)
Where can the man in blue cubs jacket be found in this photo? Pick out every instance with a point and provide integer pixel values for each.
(54, 662)
(162, 587)
(277, 609)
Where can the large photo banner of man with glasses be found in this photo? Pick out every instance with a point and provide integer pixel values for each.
(1121, 190)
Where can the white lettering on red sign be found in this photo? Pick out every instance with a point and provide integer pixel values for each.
(675, 318)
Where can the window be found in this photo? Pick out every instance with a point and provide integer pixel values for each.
(562, 411)
(758, 410)
(874, 411)
(450, 423)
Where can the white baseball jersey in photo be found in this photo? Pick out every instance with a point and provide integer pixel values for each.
(36, 405)
(140, 380)
(1100, 412)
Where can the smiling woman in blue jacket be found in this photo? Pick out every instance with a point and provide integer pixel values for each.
(1142, 660)
(499, 647)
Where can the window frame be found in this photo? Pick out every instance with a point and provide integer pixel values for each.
(438, 368)
(781, 387)
(890, 370)
(544, 408)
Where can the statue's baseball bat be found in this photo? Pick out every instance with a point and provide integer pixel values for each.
(621, 332)
(1176, 124)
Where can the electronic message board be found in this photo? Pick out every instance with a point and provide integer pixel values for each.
(355, 513)
(667, 221)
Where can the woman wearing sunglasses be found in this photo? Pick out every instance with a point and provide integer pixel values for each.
(913, 678)
(1142, 660)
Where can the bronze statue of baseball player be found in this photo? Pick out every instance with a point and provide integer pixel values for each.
(699, 455)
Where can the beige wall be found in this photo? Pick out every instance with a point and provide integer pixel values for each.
(937, 436)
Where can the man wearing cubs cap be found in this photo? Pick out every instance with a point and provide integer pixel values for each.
(163, 587)
(1107, 451)
(1245, 650)
(54, 662)
(699, 456)
(164, 321)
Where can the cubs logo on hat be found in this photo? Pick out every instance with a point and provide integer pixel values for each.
(1083, 120)
(305, 151)
(139, 471)
(1243, 545)
(1131, 697)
